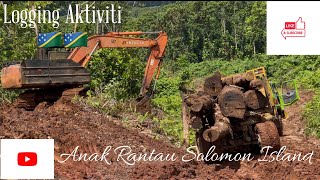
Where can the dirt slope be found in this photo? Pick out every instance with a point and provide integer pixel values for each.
(71, 125)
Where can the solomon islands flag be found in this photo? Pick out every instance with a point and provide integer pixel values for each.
(77, 39)
(52, 39)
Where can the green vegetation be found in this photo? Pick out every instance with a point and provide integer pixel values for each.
(203, 30)
(312, 114)
(8, 96)
(304, 69)
(228, 36)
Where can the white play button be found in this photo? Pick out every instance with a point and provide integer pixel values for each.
(27, 159)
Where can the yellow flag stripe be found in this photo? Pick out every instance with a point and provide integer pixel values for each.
(42, 45)
(75, 39)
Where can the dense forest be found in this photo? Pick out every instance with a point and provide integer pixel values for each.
(204, 36)
(197, 30)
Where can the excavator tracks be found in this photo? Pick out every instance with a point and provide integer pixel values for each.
(68, 94)
(26, 100)
(29, 99)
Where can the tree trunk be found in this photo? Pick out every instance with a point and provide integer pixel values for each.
(256, 84)
(254, 99)
(203, 103)
(102, 29)
(223, 21)
(97, 23)
(231, 101)
(220, 128)
(227, 80)
(235, 26)
(237, 80)
(75, 24)
(97, 28)
(213, 85)
(40, 51)
(243, 80)
(85, 2)
(36, 29)
(195, 122)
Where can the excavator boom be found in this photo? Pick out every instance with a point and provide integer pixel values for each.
(71, 72)
(82, 55)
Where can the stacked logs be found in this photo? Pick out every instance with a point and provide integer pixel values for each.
(223, 99)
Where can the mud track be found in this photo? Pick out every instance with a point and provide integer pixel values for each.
(71, 125)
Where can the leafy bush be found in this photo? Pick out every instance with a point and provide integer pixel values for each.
(119, 67)
(312, 115)
(8, 96)
(106, 99)
(172, 128)
(116, 76)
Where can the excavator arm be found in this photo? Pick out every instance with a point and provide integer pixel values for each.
(39, 76)
(82, 55)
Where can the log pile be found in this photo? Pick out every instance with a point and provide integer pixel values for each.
(223, 99)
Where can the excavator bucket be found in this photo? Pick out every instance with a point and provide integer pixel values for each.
(43, 74)
(143, 104)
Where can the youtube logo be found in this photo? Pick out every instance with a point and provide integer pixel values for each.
(27, 159)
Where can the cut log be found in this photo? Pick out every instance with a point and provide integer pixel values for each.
(248, 76)
(201, 103)
(196, 105)
(243, 80)
(237, 80)
(213, 85)
(216, 132)
(196, 122)
(190, 98)
(231, 101)
(254, 99)
(220, 128)
(227, 80)
(256, 84)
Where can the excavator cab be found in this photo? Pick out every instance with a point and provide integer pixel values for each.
(285, 93)
(280, 95)
(290, 93)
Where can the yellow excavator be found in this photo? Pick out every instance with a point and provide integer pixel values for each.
(279, 95)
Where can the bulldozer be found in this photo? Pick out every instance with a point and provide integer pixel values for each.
(61, 73)
(238, 113)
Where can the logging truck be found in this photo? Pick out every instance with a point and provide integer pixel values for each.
(238, 113)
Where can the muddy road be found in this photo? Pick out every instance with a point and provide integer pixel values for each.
(72, 125)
